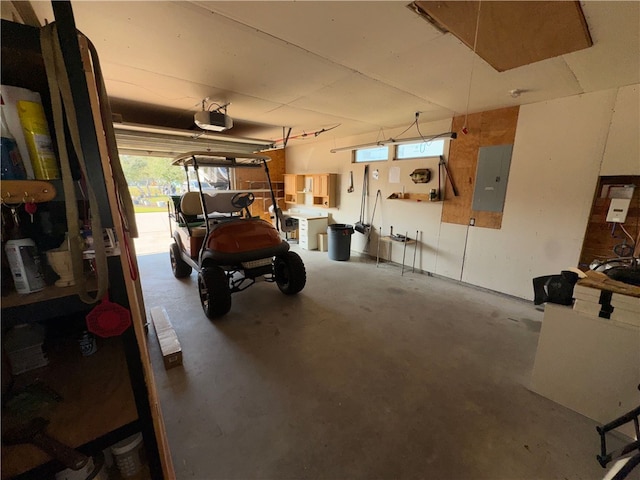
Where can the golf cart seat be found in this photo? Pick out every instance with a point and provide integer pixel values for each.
(219, 202)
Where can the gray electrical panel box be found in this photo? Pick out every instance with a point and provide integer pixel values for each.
(491, 178)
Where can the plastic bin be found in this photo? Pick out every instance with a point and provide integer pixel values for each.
(127, 455)
(339, 241)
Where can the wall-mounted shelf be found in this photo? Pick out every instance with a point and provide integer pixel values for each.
(415, 197)
(15, 299)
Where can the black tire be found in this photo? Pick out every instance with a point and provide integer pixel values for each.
(289, 273)
(215, 294)
(179, 267)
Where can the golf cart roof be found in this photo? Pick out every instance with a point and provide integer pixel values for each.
(220, 159)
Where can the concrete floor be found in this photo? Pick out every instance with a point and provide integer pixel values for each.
(365, 374)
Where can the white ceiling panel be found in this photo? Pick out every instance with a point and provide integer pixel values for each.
(351, 33)
(614, 58)
(312, 64)
(180, 40)
(382, 106)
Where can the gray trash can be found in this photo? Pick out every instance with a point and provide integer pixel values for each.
(339, 241)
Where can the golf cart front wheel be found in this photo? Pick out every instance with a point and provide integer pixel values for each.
(179, 267)
(289, 273)
(215, 295)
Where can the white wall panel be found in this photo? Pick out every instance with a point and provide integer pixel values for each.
(451, 250)
(554, 170)
(622, 152)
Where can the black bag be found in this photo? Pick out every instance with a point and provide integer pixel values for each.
(555, 288)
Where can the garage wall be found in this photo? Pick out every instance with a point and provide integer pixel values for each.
(622, 152)
(560, 149)
(554, 171)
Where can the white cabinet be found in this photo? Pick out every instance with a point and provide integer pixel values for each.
(308, 230)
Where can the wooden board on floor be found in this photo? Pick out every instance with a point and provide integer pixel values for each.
(167, 338)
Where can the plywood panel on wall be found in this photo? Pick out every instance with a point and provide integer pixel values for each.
(600, 236)
(495, 127)
(463, 154)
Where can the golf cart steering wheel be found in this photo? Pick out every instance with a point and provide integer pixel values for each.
(242, 199)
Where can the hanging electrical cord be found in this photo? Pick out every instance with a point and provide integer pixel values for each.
(415, 122)
(419, 132)
(303, 135)
(221, 108)
(424, 139)
(473, 64)
(627, 233)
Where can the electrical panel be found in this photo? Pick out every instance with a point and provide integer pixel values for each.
(491, 178)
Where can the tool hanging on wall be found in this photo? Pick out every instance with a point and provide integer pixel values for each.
(446, 169)
(373, 216)
(360, 226)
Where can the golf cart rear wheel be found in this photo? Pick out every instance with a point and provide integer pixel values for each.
(289, 273)
(179, 267)
(215, 295)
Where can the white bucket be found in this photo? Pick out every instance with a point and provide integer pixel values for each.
(127, 455)
(95, 469)
(26, 268)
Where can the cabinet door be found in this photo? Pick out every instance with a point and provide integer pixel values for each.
(317, 185)
(324, 190)
(289, 184)
(325, 185)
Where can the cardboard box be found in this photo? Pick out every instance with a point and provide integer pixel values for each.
(167, 338)
(323, 244)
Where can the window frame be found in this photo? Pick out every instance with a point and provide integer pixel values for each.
(418, 142)
(354, 154)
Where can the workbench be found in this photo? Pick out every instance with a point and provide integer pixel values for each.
(588, 355)
(309, 226)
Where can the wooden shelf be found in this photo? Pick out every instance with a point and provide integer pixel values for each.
(96, 398)
(415, 197)
(15, 299)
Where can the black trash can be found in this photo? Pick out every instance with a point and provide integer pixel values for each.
(339, 241)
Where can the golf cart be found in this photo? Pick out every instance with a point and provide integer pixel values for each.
(216, 235)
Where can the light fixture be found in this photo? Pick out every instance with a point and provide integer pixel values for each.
(392, 141)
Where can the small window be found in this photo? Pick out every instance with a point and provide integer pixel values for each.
(433, 148)
(373, 154)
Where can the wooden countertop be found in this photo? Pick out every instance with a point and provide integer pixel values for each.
(602, 282)
(304, 216)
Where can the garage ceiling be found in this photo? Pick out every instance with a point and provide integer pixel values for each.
(366, 65)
